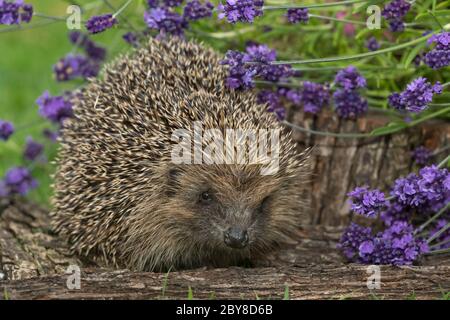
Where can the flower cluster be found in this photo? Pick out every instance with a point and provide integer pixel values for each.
(312, 96)
(166, 21)
(195, 10)
(418, 94)
(296, 15)
(427, 190)
(33, 149)
(93, 51)
(240, 10)
(367, 202)
(394, 12)
(6, 130)
(372, 44)
(56, 109)
(256, 61)
(97, 24)
(347, 100)
(439, 56)
(421, 155)
(396, 245)
(15, 12)
(131, 38)
(18, 180)
(74, 66)
(273, 100)
(164, 3)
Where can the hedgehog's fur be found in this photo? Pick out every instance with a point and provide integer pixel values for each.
(118, 196)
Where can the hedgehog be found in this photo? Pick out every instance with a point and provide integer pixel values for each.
(121, 199)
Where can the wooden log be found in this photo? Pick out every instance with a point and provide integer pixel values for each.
(35, 262)
(339, 165)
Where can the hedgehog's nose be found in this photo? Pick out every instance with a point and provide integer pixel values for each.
(236, 238)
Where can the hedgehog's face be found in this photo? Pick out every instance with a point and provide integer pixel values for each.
(233, 208)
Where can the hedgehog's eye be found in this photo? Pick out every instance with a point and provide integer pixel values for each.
(206, 197)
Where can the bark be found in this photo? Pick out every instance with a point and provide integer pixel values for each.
(339, 165)
(309, 268)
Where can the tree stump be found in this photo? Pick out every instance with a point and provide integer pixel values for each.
(339, 165)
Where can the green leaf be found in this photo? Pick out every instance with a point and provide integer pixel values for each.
(412, 54)
(190, 294)
(286, 293)
(389, 128)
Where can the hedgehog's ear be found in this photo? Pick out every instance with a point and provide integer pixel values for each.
(172, 176)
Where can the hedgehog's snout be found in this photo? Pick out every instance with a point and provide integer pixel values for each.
(236, 237)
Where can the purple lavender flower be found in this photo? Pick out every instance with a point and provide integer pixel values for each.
(172, 3)
(421, 155)
(312, 96)
(195, 10)
(394, 13)
(18, 180)
(240, 10)
(153, 3)
(352, 238)
(372, 44)
(15, 12)
(349, 104)
(350, 79)
(418, 94)
(273, 101)
(439, 56)
(33, 149)
(296, 15)
(51, 135)
(131, 38)
(6, 130)
(396, 245)
(93, 51)
(240, 76)
(166, 21)
(97, 24)
(367, 202)
(56, 109)
(275, 73)
(73, 66)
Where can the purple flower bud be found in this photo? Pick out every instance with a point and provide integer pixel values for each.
(6, 130)
(18, 180)
(242, 10)
(56, 109)
(367, 202)
(33, 149)
(195, 10)
(97, 24)
(15, 12)
(296, 15)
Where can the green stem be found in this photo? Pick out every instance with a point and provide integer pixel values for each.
(336, 19)
(440, 243)
(437, 234)
(41, 15)
(327, 134)
(118, 12)
(433, 218)
(317, 5)
(444, 162)
(439, 251)
(358, 56)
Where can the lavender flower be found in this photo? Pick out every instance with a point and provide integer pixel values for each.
(350, 79)
(418, 94)
(424, 190)
(18, 180)
(56, 109)
(240, 10)
(349, 104)
(240, 76)
(131, 38)
(439, 56)
(372, 44)
(296, 15)
(366, 202)
(395, 245)
(73, 66)
(93, 51)
(195, 10)
(6, 130)
(51, 135)
(15, 12)
(166, 21)
(443, 241)
(273, 100)
(421, 155)
(394, 12)
(97, 24)
(33, 149)
(313, 96)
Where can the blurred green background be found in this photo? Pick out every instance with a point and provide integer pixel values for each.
(29, 52)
